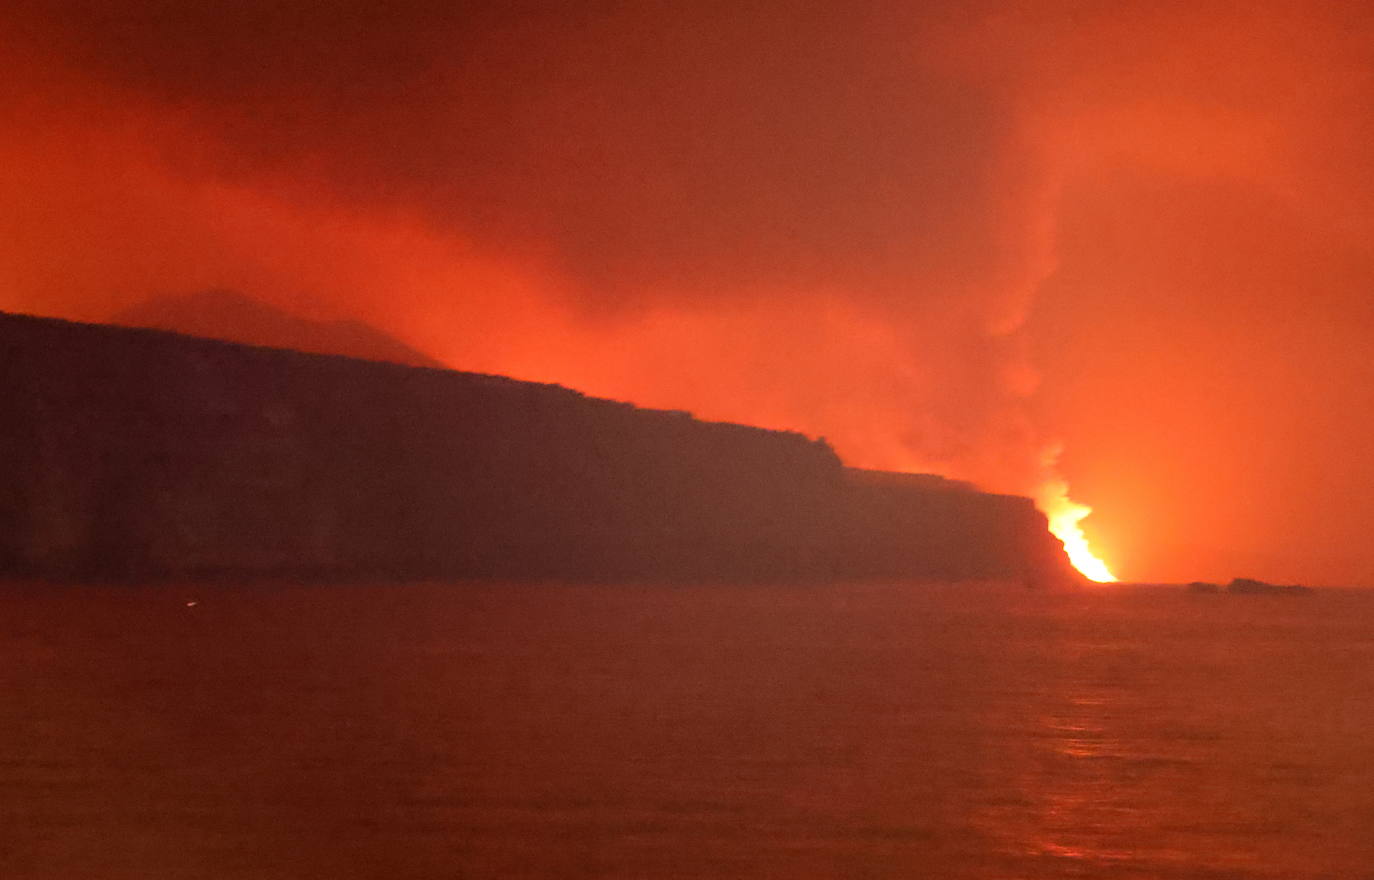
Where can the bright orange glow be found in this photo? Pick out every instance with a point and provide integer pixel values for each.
(1146, 230)
(1064, 515)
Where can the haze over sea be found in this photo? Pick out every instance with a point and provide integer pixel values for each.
(491, 730)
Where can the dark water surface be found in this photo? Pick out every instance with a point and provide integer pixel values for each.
(536, 731)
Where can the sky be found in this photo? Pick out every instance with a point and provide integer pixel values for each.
(1120, 247)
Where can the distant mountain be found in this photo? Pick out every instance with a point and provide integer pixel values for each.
(227, 314)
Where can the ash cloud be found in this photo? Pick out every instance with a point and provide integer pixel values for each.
(862, 221)
(687, 150)
(708, 168)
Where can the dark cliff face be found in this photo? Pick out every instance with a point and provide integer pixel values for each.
(139, 453)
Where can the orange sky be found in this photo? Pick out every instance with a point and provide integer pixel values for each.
(944, 239)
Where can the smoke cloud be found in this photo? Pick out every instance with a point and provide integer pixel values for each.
(942, 238)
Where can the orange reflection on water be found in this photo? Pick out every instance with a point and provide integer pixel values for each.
(1080, 771)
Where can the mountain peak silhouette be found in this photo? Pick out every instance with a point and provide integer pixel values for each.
(227, 314)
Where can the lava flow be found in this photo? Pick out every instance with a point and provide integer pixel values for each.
(1064, 515)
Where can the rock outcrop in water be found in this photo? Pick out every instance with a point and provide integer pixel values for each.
(137, 453)
(1249, 587)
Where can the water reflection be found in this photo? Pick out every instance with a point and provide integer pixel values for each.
(1121, 769)
(820, 732)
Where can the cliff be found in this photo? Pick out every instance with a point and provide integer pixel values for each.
(139, 453)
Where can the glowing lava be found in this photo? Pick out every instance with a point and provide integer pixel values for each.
(1064, 515)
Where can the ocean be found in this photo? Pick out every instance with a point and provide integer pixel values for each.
(847, 731)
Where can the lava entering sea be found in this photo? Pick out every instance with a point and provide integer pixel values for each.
(1064, 515)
